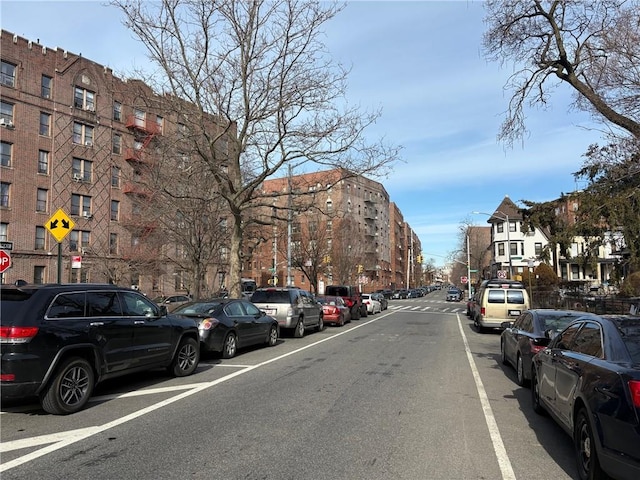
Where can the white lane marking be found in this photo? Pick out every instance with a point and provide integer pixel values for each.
(63, 439)
(494, 432)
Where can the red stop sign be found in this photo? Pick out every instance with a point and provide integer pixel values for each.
(5, 261)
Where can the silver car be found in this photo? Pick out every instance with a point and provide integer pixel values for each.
(294, 309)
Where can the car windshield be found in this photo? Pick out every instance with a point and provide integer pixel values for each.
(327, 300)
(198, 308)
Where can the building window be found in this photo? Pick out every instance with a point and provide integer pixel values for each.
(43, 162)
(115, 177)
(513, 226)
(38, 275)
(8, 74)
(160, 123)
(45, 88)
(6, 113)
(329, 225)
(116, 144)
(115, 210)
(513, 248)
(538, 249)
(39, 243)
(41, 200)
(45, 124)
(82, 169)
(82, 134)
(329, 206)
(140, 118)
(117, 111)
(500, 249)
(113, 243)
(180, 280)
(85, 99)
(4, 229)
(79, 240)
(6, 150)
(80, 204)
(4, 194)
(500, 227)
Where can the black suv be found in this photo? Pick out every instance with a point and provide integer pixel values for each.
(58, 341)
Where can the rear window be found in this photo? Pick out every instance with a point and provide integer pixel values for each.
(515, 296)
(270, 296)
(339, 291)
(13, 306)
(495, 296)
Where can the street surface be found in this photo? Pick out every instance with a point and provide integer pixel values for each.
(413, 393)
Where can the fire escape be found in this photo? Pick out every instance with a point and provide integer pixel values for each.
(144, 131)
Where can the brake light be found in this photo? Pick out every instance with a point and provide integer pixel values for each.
(17, 334)
(482, 311)
(634, 387)
(7, 377)
(208, 323)
(535, 348)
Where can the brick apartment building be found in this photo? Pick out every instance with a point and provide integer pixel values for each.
(77, 138)
(365, 240)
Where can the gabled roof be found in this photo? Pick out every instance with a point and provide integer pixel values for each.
(506, 209)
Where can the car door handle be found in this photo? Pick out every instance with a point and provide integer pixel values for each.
(138, 322)
(96, 324)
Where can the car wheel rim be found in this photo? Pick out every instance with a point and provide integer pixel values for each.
(520, 370)
(187, 357)
(584, 447)
(273, 336)
(74, 386)
(231, 345)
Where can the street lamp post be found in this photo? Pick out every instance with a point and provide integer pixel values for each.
(506, 219)
(468, 269)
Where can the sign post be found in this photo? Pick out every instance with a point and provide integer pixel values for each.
(59, 225)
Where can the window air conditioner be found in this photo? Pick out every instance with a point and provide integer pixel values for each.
(77, 177)
(88, 143)
(6, 123)
(90, 108)
(87, 214)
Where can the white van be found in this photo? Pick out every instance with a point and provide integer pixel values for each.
(498, 301)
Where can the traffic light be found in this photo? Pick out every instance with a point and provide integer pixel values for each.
(360, 268)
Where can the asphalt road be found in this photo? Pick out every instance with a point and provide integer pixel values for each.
(413, 393)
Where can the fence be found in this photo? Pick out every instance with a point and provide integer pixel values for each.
(598, 304)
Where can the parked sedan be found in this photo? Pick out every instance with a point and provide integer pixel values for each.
(226, 325)
(528, 334)
(373, 305)
(334, 310)
(454, 295)
(588, 380)
(384, 303)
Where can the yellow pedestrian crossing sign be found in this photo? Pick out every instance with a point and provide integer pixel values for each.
(59, 225)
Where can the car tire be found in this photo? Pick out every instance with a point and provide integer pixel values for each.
(476, 323)
(355, 313)
(70, 389)
(364, 313)
(341, 320)
(272, 339)
(186, 359)
(298, 332)
(230, 345)
(585, 449)
(503, 354)
(320, 325)
(522, 380)
(535, 394)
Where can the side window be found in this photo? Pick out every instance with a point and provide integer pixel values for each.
(251, 309)
(234, 309)
(515, 296)
(103, 304)
(67, 305)
(588, 340)
(136, 305)
(495, 296)
(565, 339)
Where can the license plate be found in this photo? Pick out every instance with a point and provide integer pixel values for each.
(270, 311)
(514, 313)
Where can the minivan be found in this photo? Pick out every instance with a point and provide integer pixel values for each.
(497, 301)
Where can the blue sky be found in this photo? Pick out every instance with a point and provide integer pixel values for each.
(422, 64)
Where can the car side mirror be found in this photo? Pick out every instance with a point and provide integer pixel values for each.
(163, 311)
(506, 325)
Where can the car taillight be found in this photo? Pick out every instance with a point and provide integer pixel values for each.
(17, 334)
(535, 348)
(482, 311)
(208, 323)
(634, 387)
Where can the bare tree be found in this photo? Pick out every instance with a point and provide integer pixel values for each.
(593, 46)
(261, 68)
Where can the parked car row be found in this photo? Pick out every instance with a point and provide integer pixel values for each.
(584, 371)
